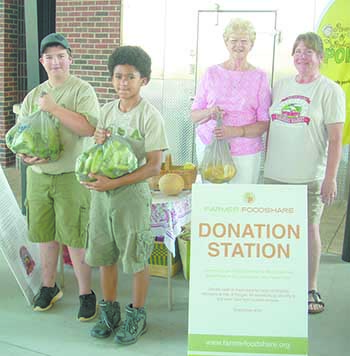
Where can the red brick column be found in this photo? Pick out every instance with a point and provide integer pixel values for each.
(11, 18)
(93, 31)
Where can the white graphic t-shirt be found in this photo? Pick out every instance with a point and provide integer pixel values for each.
(298, 139)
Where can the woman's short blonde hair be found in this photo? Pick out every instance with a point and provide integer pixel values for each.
(238, 25)
(311, 40)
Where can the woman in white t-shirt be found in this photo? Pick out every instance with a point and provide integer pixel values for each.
(304, 141)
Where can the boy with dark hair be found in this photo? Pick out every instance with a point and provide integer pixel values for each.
(57, 205)
(121, 208)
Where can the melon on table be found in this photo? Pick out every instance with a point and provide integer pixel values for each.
(171, 184)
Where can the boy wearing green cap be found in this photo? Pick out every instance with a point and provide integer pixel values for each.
(57, 205)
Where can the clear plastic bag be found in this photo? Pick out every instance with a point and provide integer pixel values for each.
(217, 165)
(36, 135)
(112, 159)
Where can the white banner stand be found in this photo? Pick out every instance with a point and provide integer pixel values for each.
(20, 254)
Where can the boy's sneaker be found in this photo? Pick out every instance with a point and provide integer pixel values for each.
(133, 327)
(46, 298)
(109, 319)
(88, 309)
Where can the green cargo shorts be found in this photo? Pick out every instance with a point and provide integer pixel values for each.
(120, 228)
(57, 209)
(314, 202)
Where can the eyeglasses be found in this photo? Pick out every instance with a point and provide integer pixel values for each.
(238, 41)
(307, 52)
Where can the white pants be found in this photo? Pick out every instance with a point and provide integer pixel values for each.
(248, 169)
(248, 166)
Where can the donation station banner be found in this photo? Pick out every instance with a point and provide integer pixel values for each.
(21, 255)
(248, 285)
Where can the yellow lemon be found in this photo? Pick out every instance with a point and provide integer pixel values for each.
(219, 173)
(189, 165)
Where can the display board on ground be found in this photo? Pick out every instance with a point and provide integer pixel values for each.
(248, 286)
(20, 254)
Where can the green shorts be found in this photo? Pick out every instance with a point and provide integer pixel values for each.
(57, 209)
(120, 228)
(314, 202)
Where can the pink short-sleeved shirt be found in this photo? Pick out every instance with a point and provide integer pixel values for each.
(245, 97)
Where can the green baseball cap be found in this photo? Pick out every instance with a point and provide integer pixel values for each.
(53, 39)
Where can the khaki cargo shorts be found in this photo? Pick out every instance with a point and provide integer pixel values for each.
(314, 202)
(57, 209)
(120, 228)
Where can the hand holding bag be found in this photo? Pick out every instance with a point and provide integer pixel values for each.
(36, 135)
(112, 159)
(217, 165)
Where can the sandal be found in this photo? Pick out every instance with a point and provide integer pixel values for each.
(316, 305)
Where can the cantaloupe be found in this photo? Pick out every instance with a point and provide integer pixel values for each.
(171, 184)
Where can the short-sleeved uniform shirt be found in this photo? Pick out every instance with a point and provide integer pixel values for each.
(75, 95)
(142, 127)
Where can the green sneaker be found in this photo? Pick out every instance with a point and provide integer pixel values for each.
(46, 298)
(109, 319)
(133, 327)
(87, 310)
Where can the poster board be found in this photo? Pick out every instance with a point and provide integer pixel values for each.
(21, 255)
(248, 286)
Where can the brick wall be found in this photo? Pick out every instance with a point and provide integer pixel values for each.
(11, 20)
(93, 31)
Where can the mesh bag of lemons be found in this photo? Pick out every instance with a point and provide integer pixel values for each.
(217, 165)
(36, 135)
(114, 158)
(219, 173)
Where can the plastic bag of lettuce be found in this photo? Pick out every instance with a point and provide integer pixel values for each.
(112, 159)
(36, 135)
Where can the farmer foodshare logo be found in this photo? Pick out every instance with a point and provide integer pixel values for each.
(247, 198)
(248, 210)
(337, 43)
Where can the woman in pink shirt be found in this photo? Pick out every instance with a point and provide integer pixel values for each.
(242, 93)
